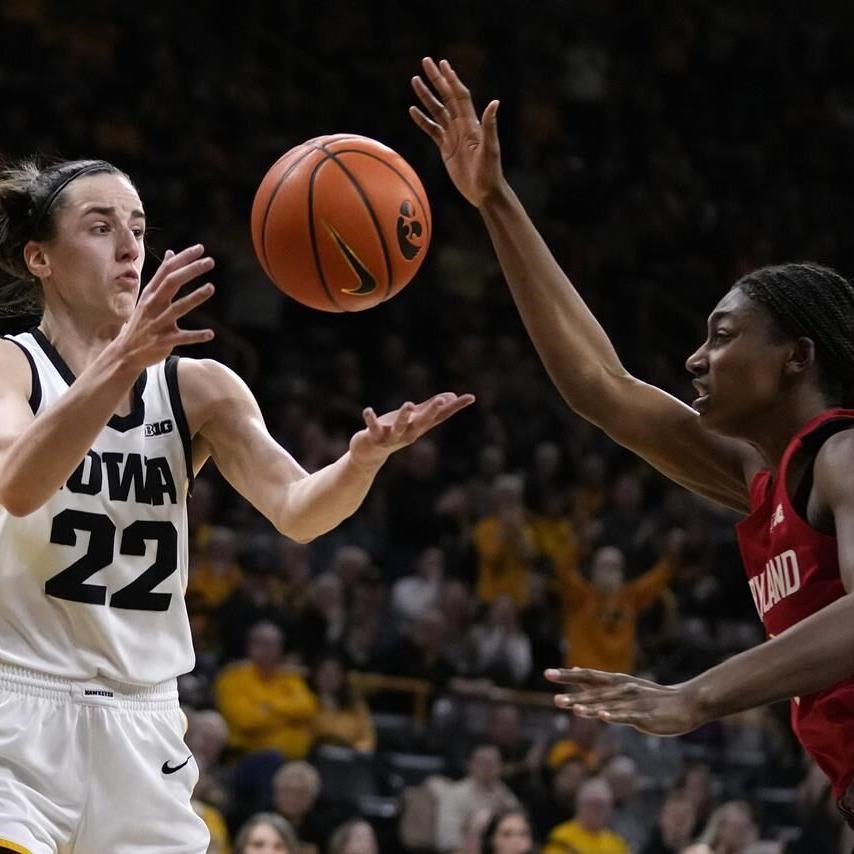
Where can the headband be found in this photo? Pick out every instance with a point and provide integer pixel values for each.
(87, 167)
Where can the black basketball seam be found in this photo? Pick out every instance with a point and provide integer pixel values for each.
(371, 212)
(424, 206)
(402, 177)
(312, 232)
(265, 263)
(312, 146)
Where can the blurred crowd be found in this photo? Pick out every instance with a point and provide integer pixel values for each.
(381, 689)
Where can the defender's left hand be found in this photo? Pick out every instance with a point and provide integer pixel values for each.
(385, 434)
(616, 698)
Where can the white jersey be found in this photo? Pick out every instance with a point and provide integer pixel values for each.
(92, 583)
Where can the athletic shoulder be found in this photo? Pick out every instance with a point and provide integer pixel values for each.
(205, 386)
(834, 462)
(16, 375)
(205, 378)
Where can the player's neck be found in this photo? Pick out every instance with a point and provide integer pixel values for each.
(78, 340)
(772, 434)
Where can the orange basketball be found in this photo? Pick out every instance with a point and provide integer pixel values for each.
(341, 223)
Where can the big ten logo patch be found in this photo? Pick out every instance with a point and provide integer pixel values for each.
(159, 428)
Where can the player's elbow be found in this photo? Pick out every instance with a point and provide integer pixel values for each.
(16, 497)
(590, 390)
(296, 532)
(16, 504)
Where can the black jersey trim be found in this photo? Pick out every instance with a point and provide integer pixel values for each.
(811, 444)
(36, 385)
(171, 372)
(120, 423)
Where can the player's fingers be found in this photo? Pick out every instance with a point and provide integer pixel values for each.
(490, 127)
(378, 431)
(186, 337)
(452, 406)
(461, 97)
(173, 261)
(375, 429)
(426, 415)
(603, 696)
(402, 419)
(159, 294)
(437, 77)
(641, 720)
(186, 304)
(456, 403)
(430, 102)
(429, 127)
(581, 711)
(176, 279)
(583, 676)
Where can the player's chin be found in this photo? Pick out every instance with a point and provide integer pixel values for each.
(708, 412)
(123, 303)
(718, 419)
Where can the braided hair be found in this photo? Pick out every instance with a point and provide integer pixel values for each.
(809, 300)
(30, 197)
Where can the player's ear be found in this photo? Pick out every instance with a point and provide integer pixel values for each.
(35, 257)
(801, 355)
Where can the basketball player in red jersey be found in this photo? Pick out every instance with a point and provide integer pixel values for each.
(767, 435)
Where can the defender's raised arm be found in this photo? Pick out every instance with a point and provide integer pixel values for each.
(573, 346)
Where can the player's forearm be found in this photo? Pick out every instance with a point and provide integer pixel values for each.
(813, 655)
(573, 346)
(317, 503)
(45, 455)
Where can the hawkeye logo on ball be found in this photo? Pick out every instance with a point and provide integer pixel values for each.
(407, 228)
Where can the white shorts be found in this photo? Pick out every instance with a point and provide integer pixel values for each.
(94, 768)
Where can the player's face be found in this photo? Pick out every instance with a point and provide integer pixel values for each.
(739, 368)
(265, 839)
(94, 260)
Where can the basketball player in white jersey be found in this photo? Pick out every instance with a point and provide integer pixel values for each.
(101, 431)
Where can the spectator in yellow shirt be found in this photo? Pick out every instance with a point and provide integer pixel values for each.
(214, 571)
(601, 614)
(343, 717)
(588, 832)
(213, 819)
(266, 705)
(505, 545)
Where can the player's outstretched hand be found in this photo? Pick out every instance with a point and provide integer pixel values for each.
(468, 146)
(152, 331)
(385, 434)
(616, 698)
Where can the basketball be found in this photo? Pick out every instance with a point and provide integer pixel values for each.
(341, 223)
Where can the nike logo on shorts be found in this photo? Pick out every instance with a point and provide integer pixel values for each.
(169, 769)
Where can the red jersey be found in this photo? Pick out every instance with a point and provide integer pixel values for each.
(793, 571)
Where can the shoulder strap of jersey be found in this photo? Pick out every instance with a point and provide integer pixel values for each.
(759, 487)
(170, 370)
(809, 446)
(35, 398)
